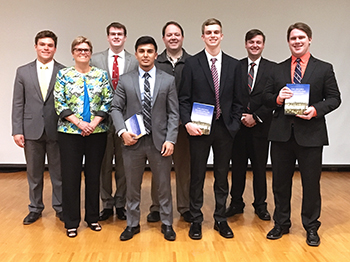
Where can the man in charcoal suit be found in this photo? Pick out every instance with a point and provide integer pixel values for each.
(251, 140)
(116, 61)
(211, 77)
(34, 124)
(299, 137)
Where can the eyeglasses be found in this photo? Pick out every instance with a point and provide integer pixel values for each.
(82, 50)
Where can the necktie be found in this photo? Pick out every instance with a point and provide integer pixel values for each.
(215, 76)
(43, 81)
(115, 72)
(86, 109)
(251, 77)
(146, 106)
(297, 73)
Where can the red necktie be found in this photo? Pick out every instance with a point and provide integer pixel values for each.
(115, 73)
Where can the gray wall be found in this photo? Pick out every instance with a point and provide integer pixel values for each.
(21, 20)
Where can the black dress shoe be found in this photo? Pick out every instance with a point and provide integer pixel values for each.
(187, 216)
(313, 238)
(263, 214)
(153, 216)
(277, 232)
(232, 210)
(31, 218)
(224, 229)
(95, 226)
(60, 215)
(105, 214)
(195, 231)
(121, 213)
(129, 232)
(169, 233)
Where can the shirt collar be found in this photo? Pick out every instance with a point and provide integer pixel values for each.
(49, 65)
(112, 54)
(256, 62)
(151, 72)
(303, 60)
(218, 57)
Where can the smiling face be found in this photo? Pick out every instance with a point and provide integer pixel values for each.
(116, 38)
(45, 49)
(82, 53)
(212, 36)
(254, 47)
(173, 38)
(146, 54)
(299, 43)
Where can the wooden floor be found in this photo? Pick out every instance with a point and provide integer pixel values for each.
(45, 240)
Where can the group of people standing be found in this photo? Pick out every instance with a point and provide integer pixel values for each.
(89, 103)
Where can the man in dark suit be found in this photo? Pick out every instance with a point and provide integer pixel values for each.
(151, 93)
(300, 137)
(117, 58)
(172, 61)
(34, 124)
(211, 77)
(251, 140)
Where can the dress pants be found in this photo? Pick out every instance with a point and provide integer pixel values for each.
(247, 146)
(35, 151)
(135, 163)
(221, 142)
(283, 156)
(182, 165)
(73, 148)
(113, 150)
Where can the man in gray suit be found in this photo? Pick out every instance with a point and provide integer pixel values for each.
(34, 123)
(116, 61)
(149, 92)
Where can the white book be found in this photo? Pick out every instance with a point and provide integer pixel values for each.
(135, 125)
(202, 115)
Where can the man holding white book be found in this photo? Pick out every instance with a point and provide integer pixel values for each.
(150, 92)
(299, 137)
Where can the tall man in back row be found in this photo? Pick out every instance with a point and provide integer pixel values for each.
(116, 61)
(251, 140)
(300, 137)
(211, 77)
(172, 61)
(34, 124)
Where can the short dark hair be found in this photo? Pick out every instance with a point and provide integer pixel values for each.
(253, 33)
(172, 23)
(45, 34)
(301, 26)
(116, 25)
(81, 40)
(211, 21)
(143, 40)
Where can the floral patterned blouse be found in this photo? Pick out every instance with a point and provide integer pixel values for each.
(69, 97)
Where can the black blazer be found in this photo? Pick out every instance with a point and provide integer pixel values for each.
(197, 86)
(254, 99)
(324, 96)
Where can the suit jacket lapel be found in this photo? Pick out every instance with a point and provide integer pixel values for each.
(287, 70)
(224, 72)
(309, 70)
(136, 85)
(261, 72)
(34, 75)
(205, 66)
(105, 64)
(157, 85)
(244, 67)
(52, 81)
(127, 61)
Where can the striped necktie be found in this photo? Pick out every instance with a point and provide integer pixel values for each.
(297, 73)
(146, 105)
(251, 77)
(215, 76)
